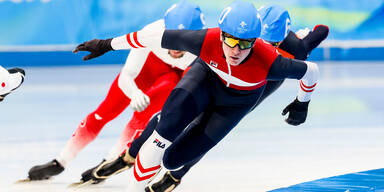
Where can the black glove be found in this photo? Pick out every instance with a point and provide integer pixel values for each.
(97, 47)
(297, 112)
(315, 37)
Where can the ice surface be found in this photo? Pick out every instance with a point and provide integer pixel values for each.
(343, 133)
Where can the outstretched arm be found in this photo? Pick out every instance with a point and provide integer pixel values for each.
(308, 82)
(298, 109)
(148, 37)
(306, 72)
(97, 47)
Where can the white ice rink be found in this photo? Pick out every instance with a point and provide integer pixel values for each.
(344, 132)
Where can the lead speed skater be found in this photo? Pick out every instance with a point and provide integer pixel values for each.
(276, 31)
(223, 88)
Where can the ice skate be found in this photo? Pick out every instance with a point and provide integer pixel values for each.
(109, 168)
(86, 177)
(104, 170)
(43, 172)
(167, 184)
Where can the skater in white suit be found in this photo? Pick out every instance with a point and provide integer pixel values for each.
(10, 80)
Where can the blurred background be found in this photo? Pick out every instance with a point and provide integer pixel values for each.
(343, 133)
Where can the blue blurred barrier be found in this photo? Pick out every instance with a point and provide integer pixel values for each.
(57, 58)
(350, 54)
(337, 50)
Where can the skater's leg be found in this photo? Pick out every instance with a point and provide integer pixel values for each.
(213, 127)
(190, 97)
(150, 127)
(197, 131)
(89, 128)
(113, 105)
(157, 93)
(137, 143)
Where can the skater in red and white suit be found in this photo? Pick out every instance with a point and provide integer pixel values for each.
(144, 83)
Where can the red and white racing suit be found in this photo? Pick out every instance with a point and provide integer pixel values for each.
(150, 71)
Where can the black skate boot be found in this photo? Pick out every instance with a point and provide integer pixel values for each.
(87, 175)
(104, 170)
(45, 171)
(167, 184)
(13, 71)
(109, 168)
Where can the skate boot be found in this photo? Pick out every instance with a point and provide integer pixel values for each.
(167, 184)
(45, 171)
(87, 175)
(104, 170)
(113, 167)
(16, 74)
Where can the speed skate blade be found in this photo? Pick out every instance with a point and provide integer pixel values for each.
(28, 180)
(80, 184)
(23, 181)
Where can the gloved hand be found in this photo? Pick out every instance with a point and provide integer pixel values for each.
(297, 112)
(315, 37)
(139, 101)
(97, 47)
(302, 33)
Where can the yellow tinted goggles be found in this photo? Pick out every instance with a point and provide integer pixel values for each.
(243, 44)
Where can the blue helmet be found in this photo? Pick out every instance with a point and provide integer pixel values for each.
(276, 23)
(241, 19)
(184, 15)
